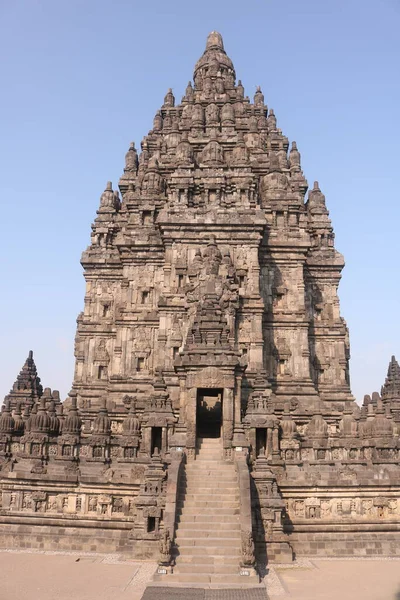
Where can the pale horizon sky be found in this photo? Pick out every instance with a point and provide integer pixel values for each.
(81, 80)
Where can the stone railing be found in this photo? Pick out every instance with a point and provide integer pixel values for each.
(248, 559)
(175, 471)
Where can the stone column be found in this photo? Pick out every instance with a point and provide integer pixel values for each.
(182, 402)
(238, 395)
(146, 441)
(190, 414)
(268, 449)
(227, 417)
(239, 438)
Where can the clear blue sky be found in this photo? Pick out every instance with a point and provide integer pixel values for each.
(83, 78)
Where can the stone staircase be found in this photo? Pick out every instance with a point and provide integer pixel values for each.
(208, 538)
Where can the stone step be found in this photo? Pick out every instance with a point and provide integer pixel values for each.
(187, 549)
(206, 475)
(217, 450)
(210, 467)
(204, 503)
(208, 484)
(212, 497)
(210, 527)
(199, 568)
(207, 468)
(206, 478)
(211, 452)
(190, 521)
(204, 537)
(207, 442)
(216, 520)
(191, 494)
(217, 490)
(214, 579)
(209, 480)
(208, 511)
(208, 536)
(199, 506)
(215, 461)
(215, 465)
(211, 464)
(197, 559)
(205, 543)
(231, 492)
(201, 470)
(199, 474)
(210, 489)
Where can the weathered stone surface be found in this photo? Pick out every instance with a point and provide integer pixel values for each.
(211, 308)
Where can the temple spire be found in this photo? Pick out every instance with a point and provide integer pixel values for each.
(27, 388)
(214, 63)
(318, 216)
(391, 388)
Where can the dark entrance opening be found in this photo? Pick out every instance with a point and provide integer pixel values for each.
(156, 439)
(209, 413)
(151, 524)
(261, 440)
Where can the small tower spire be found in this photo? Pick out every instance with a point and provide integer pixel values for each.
(294, 158)
(391, 388)
(169, 99)
(259, 97)
(27, 388)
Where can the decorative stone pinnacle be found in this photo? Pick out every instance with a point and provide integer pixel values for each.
(109, 186)
(214, 40)
(391, 387)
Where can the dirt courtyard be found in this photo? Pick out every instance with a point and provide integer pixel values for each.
(52, 576)
(336, 579)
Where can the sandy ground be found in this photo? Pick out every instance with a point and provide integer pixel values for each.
(49, 576)
(34, 576)
(335, 579)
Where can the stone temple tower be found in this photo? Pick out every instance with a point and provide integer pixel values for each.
(213, 267)
(211, 329)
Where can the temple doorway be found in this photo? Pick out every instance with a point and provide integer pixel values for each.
(209, 413)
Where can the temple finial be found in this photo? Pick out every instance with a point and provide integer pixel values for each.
(391, 388)
(169, 99)
(214, 40)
